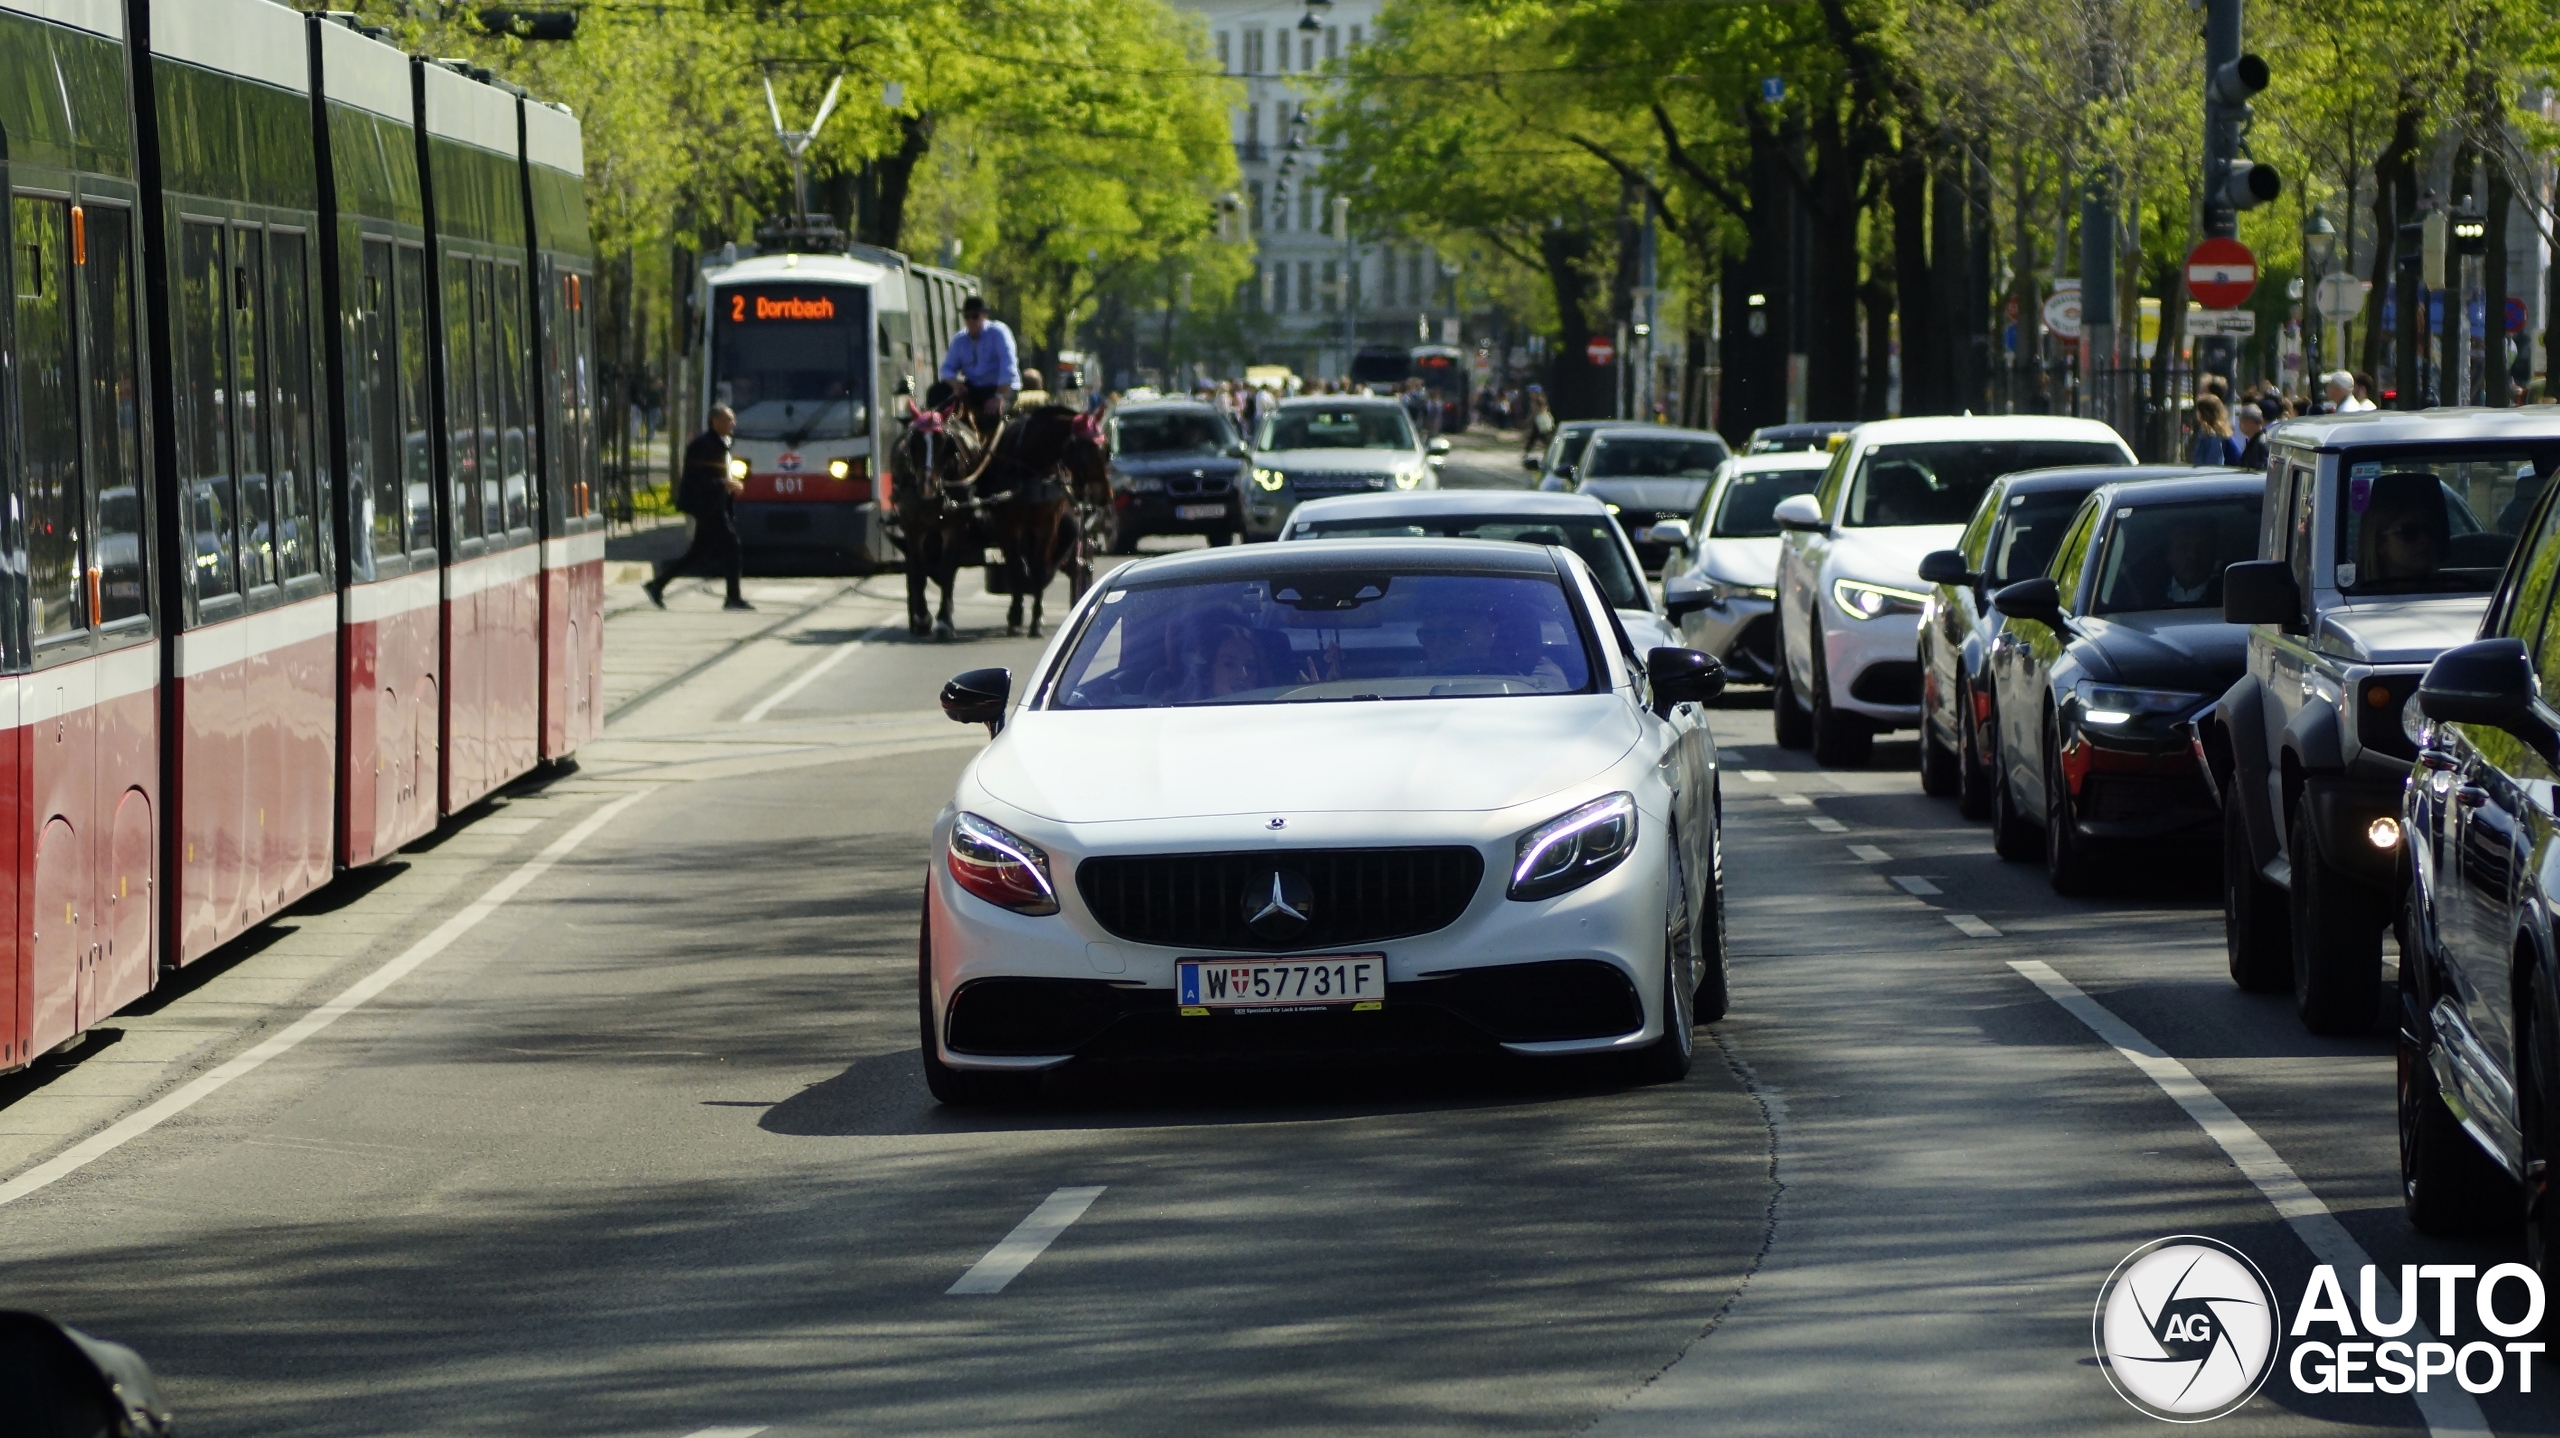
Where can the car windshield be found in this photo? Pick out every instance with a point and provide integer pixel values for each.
(2171, 556)
(2433, 522)
(2030, 532)
(1593, 538)
(1350, 426)
(1620, 457)
(1940, 483)
(1327, 636)
(1170, 431)
(1752, 496)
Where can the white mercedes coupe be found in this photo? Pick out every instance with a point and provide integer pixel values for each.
(1365, 796)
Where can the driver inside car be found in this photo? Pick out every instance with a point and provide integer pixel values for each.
(2404, 530)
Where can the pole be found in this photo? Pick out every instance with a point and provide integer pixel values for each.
(2097, 297)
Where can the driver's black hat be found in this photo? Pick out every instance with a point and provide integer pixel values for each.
(974, 305)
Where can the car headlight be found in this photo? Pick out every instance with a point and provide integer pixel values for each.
(1270, 478)
(2413, 723)
(1407, 479)
(1573, 849)
(2114, 704)
(1875, 601)
(1000, 866)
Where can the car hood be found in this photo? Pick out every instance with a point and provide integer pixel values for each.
(1176, 463)
(1658, 495)
(1889, 556)
(1353, 461)
(1647, 631)
(1421, 754)
(1740, 561)
(2183, 649)
(2401, 631)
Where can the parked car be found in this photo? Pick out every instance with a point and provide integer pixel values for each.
(1573, 521)
(1650, 473)
(2100, 662)
(2013, 535)
(1555, 467)
(1722, 571)
(1334, 444)
(1849, 590)
(1820, 436)
(2385, 533)
(1177, 467)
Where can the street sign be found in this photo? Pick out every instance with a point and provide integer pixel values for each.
(2062, 314)
(2221, 273)
(1773, 89)
(2515, 315)
(2342, 295)
(1600, 351)
(2222, 322)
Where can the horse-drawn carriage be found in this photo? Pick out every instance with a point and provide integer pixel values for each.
(1038, 492)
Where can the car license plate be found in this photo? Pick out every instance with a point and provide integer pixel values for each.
(1198, 511)
(1321, 981)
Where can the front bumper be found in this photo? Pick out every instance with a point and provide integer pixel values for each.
(2138, 785)
(1501, 978)
(1873, 664)
(1742, 632)
(794, 534)
(1144, 512)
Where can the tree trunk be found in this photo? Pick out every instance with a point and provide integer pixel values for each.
(1877, 295)
(1924, 387)
(1831, 274)
(2493, 291)
(1571, 388)
(1951, 274)
(892, 174)
(2395, 201)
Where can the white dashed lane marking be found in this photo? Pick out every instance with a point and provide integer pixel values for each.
(1029, 1239)
(1971, 927)
(1827, 825)
(1870, 854)
(727, 1432)
(1915, 886)
(1795, 801)
(1758, 776)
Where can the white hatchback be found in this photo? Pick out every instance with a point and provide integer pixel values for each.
(1362, 795)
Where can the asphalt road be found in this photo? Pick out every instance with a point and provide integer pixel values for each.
(646, 1151)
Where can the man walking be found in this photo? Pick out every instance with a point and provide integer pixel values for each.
(708, 492)
(982, 357)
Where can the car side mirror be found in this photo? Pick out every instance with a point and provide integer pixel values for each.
(1801, 514)
(61, 1380)
(2489, 682)
(1682, 676)
(1944, 566)
(1669, 533)
(2261, 591)
(2038, 599)
(1684, 596)
(1437, 445)
(978, 697)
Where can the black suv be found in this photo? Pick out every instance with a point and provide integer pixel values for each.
(1177, 467)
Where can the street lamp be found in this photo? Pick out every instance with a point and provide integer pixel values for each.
(2319, 247)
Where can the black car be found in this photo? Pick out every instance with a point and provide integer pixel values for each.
(2012, 536)
(2101, 662)
(1177, 467)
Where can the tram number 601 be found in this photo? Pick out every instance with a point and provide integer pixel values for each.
(786, 484)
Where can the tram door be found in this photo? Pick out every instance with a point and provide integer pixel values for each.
(86, 712)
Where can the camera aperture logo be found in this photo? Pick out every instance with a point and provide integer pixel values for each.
(2186, 1328)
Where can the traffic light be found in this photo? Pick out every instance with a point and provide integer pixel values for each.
(2249, 184)
(2232, 181)
(2236, 82)
(2470, 235)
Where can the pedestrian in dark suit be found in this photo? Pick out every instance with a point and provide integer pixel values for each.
(708, 492)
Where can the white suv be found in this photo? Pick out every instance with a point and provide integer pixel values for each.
(1849, 588)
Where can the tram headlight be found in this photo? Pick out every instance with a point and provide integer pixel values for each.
(737, 469)
(840, 468)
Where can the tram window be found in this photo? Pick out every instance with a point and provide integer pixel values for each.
(585, 442)
(251, 411)
(297, 472)
(115, 420)
(484, 336)
(516, 443)
(204, 410)
(462, 397)
(417, 443)
(560, 402)
(376, 393)
(49, 415)
(794, 363)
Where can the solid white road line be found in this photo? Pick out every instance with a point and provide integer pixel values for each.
(1795, 801)
(1870, 854)
(1827, 825)
(1028, 1240)
(808, 676)
(1758, 776)
(727, 1432)
(1971, 927)
(2446, 1408)
(1915, 886)
(357, 995)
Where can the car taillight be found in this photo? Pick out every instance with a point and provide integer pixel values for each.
(1000, 866)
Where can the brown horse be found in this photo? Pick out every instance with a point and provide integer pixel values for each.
(1045, 462)
(937, 456)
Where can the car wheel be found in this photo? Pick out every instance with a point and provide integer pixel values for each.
(1667, 1059)
(2538, 1114)
(2012, 837)
(1795, 727)
(2068, 866)
(1939, 765)
(2337, 942)
(1840, 740)
(2256, 931)
(1715, 965)
(1973, 769)
(958, 1088)
(2448, 1186)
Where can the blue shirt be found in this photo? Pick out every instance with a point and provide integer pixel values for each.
(985, 360)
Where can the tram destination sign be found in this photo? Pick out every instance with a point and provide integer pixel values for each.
(753, 306)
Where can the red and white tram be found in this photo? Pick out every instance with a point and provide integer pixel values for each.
(297, 443)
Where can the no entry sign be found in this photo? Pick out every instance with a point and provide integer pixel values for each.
(2221, 273)
(1600, 351)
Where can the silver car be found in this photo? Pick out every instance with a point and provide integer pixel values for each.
(1320, 445)
(1724, 559)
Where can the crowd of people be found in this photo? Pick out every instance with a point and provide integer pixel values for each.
(2230, 429)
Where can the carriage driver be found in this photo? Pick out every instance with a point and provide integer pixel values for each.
(982, 357)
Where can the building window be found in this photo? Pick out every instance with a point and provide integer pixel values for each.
(1252, 125)
(1279, 288)
(1420, 296)
(1355, 37)
(1307, 210)
(1253, 201)
(1307, 53)
(1333, 42)
(1387, 277)
(1223, 62)
(1306, 285)
(1332, 285)
(1253, 52)
(1280, 42)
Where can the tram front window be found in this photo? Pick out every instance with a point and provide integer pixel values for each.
(791, 360)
